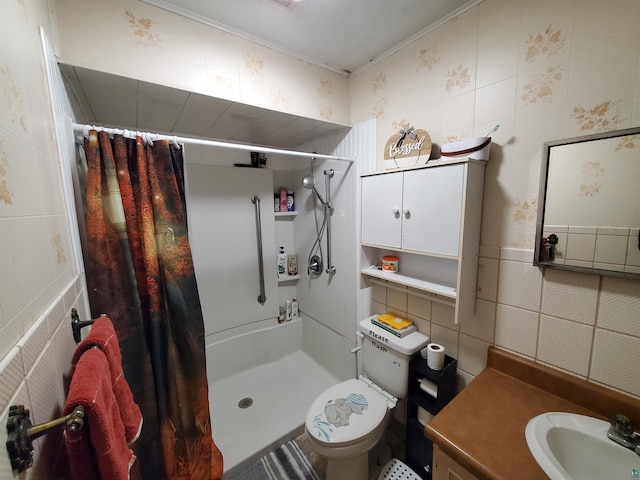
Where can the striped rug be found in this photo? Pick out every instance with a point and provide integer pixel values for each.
(289, 461)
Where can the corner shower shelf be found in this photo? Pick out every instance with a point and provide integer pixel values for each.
(290, 278)
(290, 215)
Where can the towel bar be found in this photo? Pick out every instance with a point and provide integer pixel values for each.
(77, 325)
(21, 433)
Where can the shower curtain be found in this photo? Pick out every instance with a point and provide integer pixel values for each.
(140, 273)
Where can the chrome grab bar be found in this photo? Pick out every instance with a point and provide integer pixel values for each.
(262, 297)
(328, 209)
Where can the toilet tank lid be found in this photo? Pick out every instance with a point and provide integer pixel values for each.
(407, 345)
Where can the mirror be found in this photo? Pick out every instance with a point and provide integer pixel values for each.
(589, 204)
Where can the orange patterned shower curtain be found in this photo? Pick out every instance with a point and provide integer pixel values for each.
(140, 272)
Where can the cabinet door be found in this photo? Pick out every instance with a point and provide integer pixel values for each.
(432, 206)
(445, 468)
(381, 207)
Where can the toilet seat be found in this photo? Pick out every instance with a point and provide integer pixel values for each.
(345, 413)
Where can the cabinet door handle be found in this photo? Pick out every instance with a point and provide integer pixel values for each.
(396, 211)
(407, 212)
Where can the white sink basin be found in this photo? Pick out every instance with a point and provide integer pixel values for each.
(568, 446)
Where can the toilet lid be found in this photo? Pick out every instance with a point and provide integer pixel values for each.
(345, 412)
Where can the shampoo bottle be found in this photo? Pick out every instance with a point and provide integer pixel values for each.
(282, 263)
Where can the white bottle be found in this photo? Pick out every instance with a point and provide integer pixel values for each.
(282, 263)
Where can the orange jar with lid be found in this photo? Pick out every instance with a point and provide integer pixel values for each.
(390, 263)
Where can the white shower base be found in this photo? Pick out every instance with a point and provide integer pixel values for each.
(282, 390)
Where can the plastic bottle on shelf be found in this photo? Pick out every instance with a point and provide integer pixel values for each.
(291, 204)
(283, 199)
(282, 263)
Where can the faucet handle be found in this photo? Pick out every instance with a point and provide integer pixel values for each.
(622, 425)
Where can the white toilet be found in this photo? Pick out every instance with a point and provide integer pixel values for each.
(348, 419)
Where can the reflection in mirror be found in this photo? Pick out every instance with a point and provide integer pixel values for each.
(589, 204)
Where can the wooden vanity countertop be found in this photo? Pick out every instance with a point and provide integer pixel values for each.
(483, 427)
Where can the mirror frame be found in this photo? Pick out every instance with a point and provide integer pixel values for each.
(544, 171)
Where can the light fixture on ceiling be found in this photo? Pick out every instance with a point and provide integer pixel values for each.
(288, 4)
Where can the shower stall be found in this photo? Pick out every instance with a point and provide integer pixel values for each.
(263, 375)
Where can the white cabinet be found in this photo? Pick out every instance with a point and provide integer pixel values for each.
(446, 468)
(414, 210)
(430, 217)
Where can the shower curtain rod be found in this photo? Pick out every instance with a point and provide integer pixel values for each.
(84, 129)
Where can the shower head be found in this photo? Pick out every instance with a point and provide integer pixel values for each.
(310, 182)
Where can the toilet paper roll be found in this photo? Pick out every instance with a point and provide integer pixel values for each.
(429, 387)
(435, 356)
(424, 417)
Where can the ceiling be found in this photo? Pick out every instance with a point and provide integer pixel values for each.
(344, 35)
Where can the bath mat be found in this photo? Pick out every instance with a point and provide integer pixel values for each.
(290, 461)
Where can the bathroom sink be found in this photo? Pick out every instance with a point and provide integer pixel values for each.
(569, 446)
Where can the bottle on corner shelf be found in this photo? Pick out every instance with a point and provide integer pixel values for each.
(282, 263)
(283, 199)
(291, 204)
(292, 264)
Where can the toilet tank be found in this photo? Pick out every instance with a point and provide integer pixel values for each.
(386, 357)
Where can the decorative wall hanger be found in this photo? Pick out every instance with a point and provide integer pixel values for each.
(407, 148)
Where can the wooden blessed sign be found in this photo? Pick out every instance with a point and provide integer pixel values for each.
(407, 148)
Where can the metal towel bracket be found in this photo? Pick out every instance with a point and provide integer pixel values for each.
(21, 433)
(77, 325)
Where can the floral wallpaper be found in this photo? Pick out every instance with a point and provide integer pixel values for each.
(6, 195)
(539, 88)
(428, 57)
(14, 97)
(325, 89)
(457, 79)
(544, 44)
(281, 100)
(253, 64)
(57, 244)
(526, 211)
(593, 172)
(142, 28)
(602, 117)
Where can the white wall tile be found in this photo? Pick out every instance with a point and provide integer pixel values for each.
(397, 300)
(517, 330)
(33, 342)
(570, 295)
(443, 315)
(472, 357)
(520, 285)
(487, 281)
(379, 294)
(633, 248)
(615, 361)
(581, 246)
(565, 344)
(419, 307)
(620, 305)
(446, 337)
(611, 249)
(482, 324)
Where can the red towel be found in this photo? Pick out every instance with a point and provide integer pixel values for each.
(103, 336)
(99, 449)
